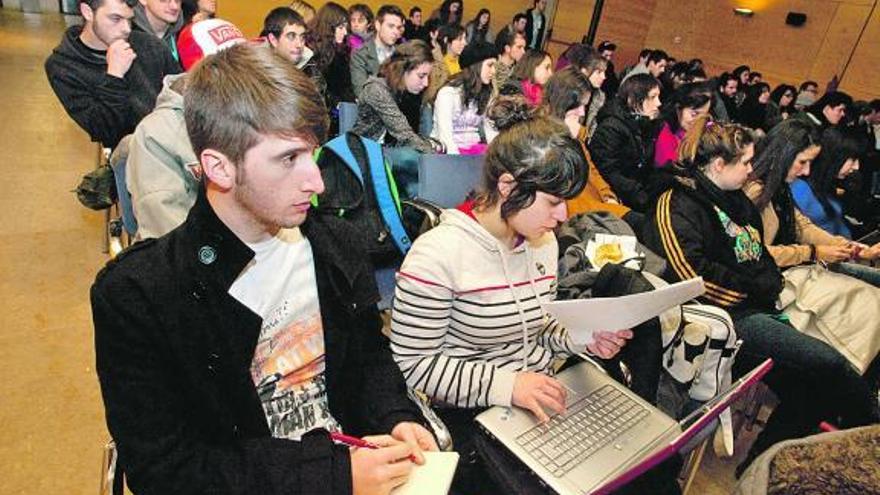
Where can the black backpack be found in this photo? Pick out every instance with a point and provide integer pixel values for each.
(359, 188)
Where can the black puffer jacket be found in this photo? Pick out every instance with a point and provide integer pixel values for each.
(623, 149)
(703, 231)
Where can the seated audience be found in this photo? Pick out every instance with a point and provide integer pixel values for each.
(689, 103)
(566, 97)
(510, 48)
(413, 28)
(163, 174)
(781, 104)
(530, 75)
(460, 121)
(228, 349)
(366, 61)
(755, 77)
(286, 32)
(361, 26)
(160, 18)
(655, 65)
(449, 12)
(106, 76)
(754, 109)
(536, 25)
(198, 10)
(623, 144)
(705, 226)
(329, 31)
(827, 111)
(724, 109)
(467, 326)
(478, 28)
(379, 114)
(786, 154)
(741, 73)
(594, 67)
(643, 60)
(517, 25)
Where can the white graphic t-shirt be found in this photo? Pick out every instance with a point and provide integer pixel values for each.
(288, 366)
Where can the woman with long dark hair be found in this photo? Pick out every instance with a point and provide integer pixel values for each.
(781, 105)
(753, 112)
(705, 226)
(478, 28)
(329, 35)
(689, 102)
(460, 107)
(452, 42)
(623, 144)
(449, 12)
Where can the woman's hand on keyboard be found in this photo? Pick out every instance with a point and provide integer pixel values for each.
(607, 344)
(536, 391)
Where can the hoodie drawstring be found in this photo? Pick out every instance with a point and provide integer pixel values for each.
(516, 300)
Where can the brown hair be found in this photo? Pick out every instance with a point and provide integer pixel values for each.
(566, 90)
(536, 150)
(247, 91)
(708, 140)
(525, 68)
(405, 58)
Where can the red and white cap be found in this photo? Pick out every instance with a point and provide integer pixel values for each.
(200, 39)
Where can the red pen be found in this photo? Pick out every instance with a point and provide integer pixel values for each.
(357, 442)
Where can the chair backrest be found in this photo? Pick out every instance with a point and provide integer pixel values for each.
(446, 180)
(348, 113)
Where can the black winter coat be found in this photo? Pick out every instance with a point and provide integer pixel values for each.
(107, 107)
(622, 148)
(718, 235)
(174, 349)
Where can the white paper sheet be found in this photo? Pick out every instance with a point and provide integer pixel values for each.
(432, 478)
(582, 317)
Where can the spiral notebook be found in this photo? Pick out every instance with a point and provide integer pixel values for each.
(434, 477)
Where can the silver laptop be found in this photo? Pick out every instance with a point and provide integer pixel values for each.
(608, 435)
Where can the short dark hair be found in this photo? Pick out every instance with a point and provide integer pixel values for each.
(634, 91)
(755, 75)
(739, 71)
(645, 53)
(389, 10)
(279, 18)
(95, 4)
(606, 46)
(449, 33)
(875, 104)
(806, 84)
(413, 10)
(507, 38)
(724, 77)
(536, 150)
(690, 95)
(565, 91)
(656, 56)
(519, 16)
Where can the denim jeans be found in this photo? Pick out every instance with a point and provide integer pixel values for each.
(864, 273)
(813, 381)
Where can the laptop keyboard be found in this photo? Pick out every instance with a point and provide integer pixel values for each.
(590, 423)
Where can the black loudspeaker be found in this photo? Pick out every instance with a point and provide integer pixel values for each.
(795, 19)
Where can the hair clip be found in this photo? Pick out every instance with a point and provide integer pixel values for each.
(709, 124)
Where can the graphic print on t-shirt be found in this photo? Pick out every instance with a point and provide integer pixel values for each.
(288, 364)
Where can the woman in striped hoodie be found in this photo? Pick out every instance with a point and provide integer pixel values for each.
(468, 325)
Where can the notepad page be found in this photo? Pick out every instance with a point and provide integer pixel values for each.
(434, 477)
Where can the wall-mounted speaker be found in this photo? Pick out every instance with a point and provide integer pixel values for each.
(796, 19)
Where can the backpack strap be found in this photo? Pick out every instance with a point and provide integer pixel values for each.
(339, 145)
(385, 196)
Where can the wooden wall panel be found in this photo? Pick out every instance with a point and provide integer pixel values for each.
(626, 22)
(862, 77)
(248, 15)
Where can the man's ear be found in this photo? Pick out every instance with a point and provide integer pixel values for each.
(86, 11)
(218, 169)
(273, 41)
(506, 183)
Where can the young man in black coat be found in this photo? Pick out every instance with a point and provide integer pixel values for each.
(230, 347)
(106, 76)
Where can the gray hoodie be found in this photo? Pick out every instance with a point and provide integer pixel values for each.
(162, 172)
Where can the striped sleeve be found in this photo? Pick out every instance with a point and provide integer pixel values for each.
(555, 337)
(684, 248)
(420, 321)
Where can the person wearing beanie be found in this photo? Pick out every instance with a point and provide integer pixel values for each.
(460, 106)
(162, 171)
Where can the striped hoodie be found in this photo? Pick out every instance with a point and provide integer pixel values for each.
(468, 313)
